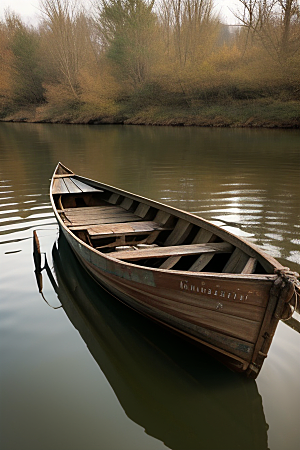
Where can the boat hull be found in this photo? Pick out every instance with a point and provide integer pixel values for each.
(233, 313)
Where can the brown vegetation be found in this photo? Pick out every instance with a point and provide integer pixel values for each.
(137, 61)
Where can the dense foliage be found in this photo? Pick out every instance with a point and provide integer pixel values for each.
(124, 55)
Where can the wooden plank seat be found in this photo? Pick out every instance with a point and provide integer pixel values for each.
(203, 236)
(82, 218)
(97, 211)
(175, 250)
(121, 229)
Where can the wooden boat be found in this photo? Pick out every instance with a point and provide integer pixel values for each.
(182, 271)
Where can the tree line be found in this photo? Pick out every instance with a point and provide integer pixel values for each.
(148, 52)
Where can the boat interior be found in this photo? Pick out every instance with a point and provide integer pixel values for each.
(136, 232)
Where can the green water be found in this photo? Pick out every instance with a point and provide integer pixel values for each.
(122, 383)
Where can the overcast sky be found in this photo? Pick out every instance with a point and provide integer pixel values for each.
(28, 9)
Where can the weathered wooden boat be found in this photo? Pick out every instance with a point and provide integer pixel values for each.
(180, 270)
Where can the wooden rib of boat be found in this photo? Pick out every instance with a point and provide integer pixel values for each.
(178, 269)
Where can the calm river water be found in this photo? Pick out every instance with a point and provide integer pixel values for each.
(131, 385)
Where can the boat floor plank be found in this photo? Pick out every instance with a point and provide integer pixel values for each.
(176, 250)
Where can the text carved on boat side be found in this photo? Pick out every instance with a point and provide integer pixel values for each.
(184, 285)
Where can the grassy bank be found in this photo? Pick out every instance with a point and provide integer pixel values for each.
(266, 113)
(132, 63)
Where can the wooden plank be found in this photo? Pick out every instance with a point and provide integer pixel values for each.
(142, 210)
(211, 317)
(230, 325)
(101, 214)
(163, 217)
(246, 289)
(85, 187)
(152, 238)
(71, 186)
(170, 262)
(59, 186)
(250, 266)
(126, 203)
(92, 222)
(180, 233)
(63, 175)
(100, 209)
(236, 262)
(113, 199)
(88, 221)
(120, 229)
(203, 236)
(239, 309)
(97, 215)
(201, 262)
(176, 250)
(213, 339)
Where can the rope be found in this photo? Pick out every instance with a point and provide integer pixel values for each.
(288, 276)
(53, 307)
(293, 308)
(52, 280)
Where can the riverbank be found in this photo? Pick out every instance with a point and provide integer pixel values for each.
(263, 113)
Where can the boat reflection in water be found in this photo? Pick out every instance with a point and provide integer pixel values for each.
(186, 401)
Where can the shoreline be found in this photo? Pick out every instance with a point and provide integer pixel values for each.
(243, 114)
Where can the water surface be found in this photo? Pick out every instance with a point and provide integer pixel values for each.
(120, 382)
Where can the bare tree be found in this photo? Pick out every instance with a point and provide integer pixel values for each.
(67, 39)
(187, 26)
(275, 22)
